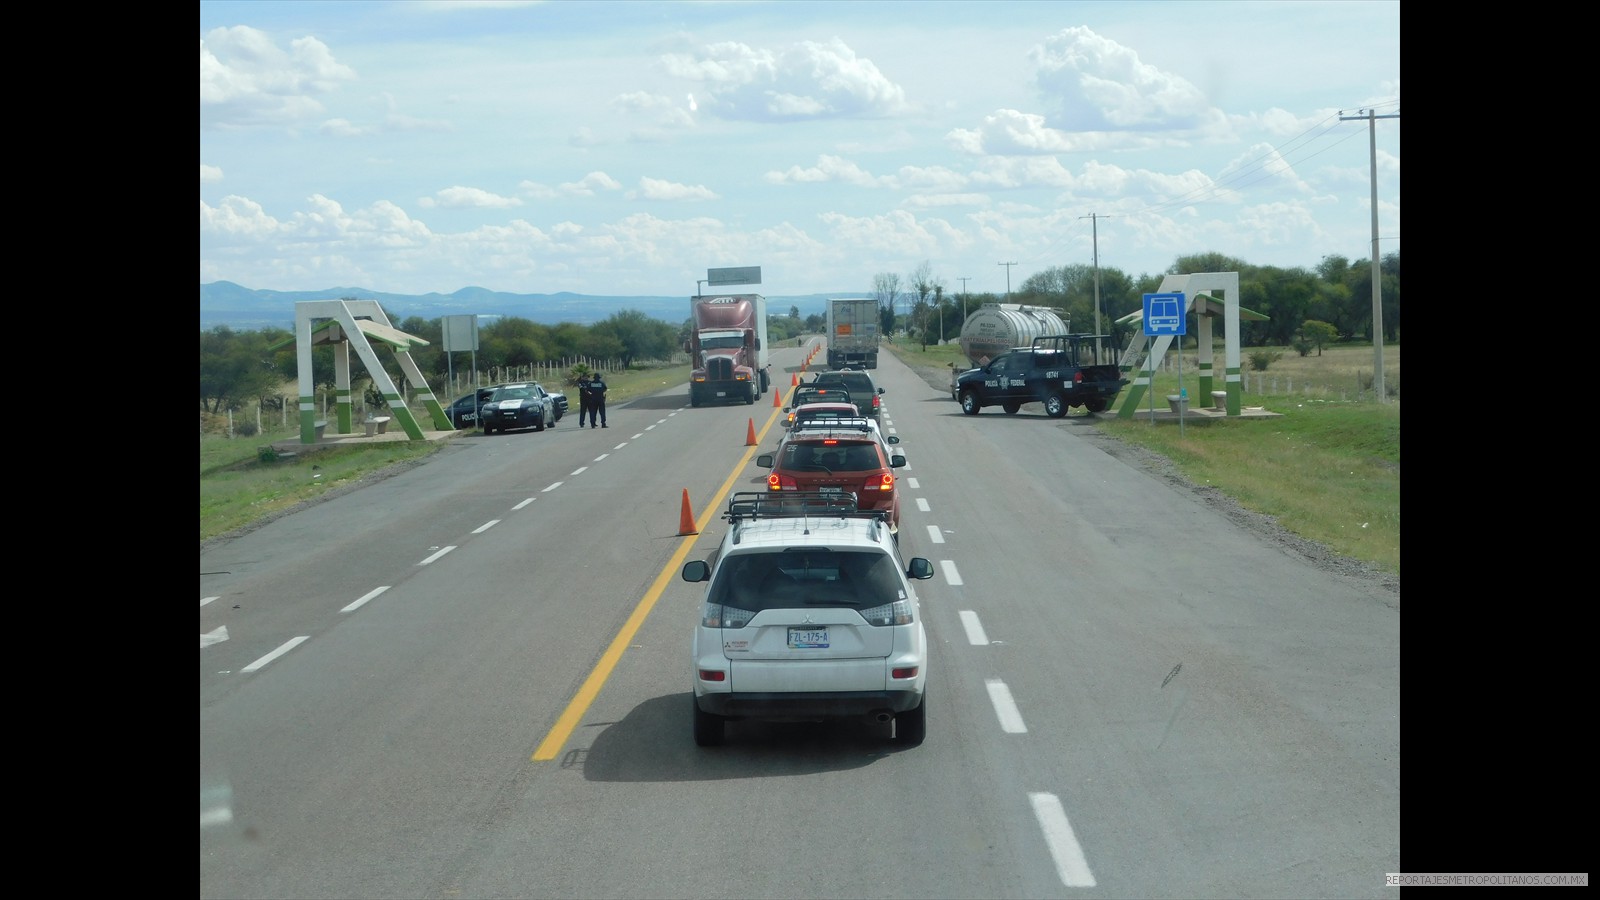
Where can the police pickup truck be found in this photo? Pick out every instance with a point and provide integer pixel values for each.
(1058, 370)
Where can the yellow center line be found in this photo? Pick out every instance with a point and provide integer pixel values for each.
(590, 689)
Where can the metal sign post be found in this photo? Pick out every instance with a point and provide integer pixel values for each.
(1167, 315)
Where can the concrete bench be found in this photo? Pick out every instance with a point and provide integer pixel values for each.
(1178, 402)
(321, 425)
(1219, 399)
(377, 425)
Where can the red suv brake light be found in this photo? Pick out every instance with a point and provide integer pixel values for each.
(879, 482)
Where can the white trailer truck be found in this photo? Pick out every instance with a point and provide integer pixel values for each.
(853, 333)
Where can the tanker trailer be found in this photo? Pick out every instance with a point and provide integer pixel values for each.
(997, 327)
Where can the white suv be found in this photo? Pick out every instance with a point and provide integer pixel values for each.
(808, 615)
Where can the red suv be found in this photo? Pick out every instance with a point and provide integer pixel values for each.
(848, 456)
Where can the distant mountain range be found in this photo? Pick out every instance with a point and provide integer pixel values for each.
(245, 309)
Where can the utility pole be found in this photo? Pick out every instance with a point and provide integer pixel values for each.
(1008, 278)
(1377, 273)
(964, 279)
(697, 283)
(1095, 225)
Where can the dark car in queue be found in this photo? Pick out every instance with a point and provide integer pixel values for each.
(863, 391)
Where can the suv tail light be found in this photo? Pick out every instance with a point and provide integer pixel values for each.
(877, 402)
(879, 482)
(896, 613)
(716, 615)
(776, 482)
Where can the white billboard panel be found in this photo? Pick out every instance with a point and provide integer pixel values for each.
(740, 275)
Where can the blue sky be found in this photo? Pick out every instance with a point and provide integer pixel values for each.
(622, 148)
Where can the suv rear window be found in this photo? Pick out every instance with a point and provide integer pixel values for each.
(807, 576)
(844, 456)
(859, 384)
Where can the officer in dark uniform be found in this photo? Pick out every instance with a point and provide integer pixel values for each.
(597, 401)
(584, 401)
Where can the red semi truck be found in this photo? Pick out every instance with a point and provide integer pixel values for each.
(727, 348)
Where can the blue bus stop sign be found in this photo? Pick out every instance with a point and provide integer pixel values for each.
(1165, 314)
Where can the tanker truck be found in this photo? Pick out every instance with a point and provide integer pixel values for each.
(727, 348)
(852, 333)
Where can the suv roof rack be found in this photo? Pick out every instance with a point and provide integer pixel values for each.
(748, 506)
(842, 423)
(812, 390)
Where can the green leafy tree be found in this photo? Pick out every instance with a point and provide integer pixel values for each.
(512, 341)
(634, 336)
(1318, 334)
(235, 366)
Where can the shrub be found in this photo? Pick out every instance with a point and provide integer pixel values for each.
(577, 371)
(1261, 359)
(266, 454)
(245, 429)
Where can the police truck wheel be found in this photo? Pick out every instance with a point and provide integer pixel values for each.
(969, 403)
(1011, 407)
(1055, 406)
(1095, 405)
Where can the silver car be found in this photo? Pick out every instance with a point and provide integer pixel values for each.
(808, 615)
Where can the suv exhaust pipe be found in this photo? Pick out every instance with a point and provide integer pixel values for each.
(882, 716)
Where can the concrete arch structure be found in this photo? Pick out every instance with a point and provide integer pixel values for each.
(1201, 289)
(354, 324)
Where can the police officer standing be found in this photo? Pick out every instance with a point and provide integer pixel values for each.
(584, 401)
(597, 401)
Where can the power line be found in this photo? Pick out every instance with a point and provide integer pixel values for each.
(1290, 153)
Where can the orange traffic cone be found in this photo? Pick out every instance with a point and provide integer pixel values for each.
(777, 399)
(794, 379)
(686, 518)
(750, 434)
